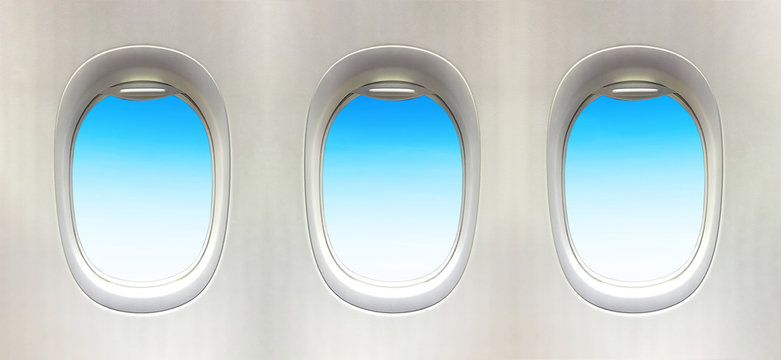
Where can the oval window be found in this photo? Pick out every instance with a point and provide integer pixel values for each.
(142, 178)
(142, 187)
(634, 184)
(391, 175)
(634, 178)
(392, 183)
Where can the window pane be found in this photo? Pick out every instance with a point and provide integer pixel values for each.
(634, 186)
(142, 187)
(392, 182)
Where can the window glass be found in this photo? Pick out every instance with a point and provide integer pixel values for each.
(391, 187)
(634, 187)
(142, 187)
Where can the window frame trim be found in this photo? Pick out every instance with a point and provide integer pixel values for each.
(98, 77)
(635, 63)
(391, 63)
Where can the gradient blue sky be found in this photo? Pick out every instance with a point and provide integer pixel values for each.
(142, 187)
(392, 183)
(635, 184)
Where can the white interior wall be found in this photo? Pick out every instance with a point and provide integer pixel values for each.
(267, 299)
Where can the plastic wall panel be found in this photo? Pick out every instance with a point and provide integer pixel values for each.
(267, 299)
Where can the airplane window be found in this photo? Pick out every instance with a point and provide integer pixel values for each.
(634, 178)
(142, 178)
(142, 187)
(391, 175)
(634, 181)
(392, 187)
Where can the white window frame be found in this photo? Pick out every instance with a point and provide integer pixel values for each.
(635, 66)
(354, 74)
(173, 73)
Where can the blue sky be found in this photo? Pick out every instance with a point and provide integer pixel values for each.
(392, 181)
(634, 185)
(142, 187)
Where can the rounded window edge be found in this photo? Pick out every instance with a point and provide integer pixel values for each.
(392, 64)
(634, 92)
(175, 72)
(635, 64)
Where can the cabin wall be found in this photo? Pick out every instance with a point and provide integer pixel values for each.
(267, 299)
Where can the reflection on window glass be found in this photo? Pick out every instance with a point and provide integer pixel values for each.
(142, 182)
(634, 187)
(392, 187)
